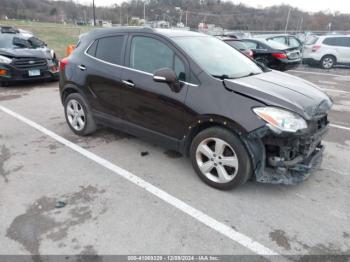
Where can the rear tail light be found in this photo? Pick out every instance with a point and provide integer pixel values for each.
(280, 55)
(70, 49)
(315, 48)
(63, 63)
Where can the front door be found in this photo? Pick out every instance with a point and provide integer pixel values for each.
(147, 104)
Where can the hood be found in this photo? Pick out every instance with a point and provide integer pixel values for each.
(283, 90)
(25, 52)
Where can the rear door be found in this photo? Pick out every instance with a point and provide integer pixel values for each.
(153, 107)
(104, 73)
(344, 49)
(336, 46)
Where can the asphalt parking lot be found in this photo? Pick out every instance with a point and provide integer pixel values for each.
(126, 196)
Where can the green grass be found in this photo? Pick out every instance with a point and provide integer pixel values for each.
(57, 36)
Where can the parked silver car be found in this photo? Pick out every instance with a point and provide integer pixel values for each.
(327, 51)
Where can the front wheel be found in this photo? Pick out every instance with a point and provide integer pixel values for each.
(220, 158)
(78, 115)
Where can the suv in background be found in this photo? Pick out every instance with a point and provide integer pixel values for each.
(327, 51)
(23, 57)
(194, 93)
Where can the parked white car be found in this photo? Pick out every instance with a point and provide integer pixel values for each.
(327, 51)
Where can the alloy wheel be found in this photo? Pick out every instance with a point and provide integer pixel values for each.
(76, 115)
(328, 62)
(217, 160)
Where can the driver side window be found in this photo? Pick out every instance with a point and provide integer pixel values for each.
(149, 54)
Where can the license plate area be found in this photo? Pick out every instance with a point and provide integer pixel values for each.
(33, 72)
(294, 55)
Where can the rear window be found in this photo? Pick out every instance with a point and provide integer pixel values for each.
(276, 45)
(110, 49)
(237, 44)
(311, 40)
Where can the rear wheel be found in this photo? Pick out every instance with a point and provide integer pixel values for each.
(327, 62)
(78, 115)
(220, 158)
(262, 60)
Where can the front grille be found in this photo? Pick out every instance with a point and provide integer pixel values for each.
(26, 63)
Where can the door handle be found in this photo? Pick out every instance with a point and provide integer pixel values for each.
(82, 67)
(128, 83)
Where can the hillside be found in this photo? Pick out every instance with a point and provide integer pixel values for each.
(218, 12)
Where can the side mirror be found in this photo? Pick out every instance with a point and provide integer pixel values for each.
(168, 76)
(165, 75)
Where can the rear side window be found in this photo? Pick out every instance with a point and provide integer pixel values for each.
(335, 41)
(110, 49)
(237, 44)
(251, 45)
(343, 41)
(92, 49)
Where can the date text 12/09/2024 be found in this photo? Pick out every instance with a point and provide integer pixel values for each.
(174, 258)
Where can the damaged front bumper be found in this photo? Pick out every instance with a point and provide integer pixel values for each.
(287, 158)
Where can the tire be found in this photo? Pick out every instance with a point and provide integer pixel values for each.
(238, 167)
(328, 62)
(76, 108)
(263, 61)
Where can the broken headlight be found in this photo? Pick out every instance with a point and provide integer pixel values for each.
(280, 120)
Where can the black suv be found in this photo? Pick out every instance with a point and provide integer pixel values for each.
(23, 57)
(193, 93)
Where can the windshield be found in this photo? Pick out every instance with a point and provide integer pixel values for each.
(218, 58)
(11, 41)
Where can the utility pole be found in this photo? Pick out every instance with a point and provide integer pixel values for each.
(121, 15)
(285, 30)
(301, 24)
(186, 17)
(93, 11)
(144, 11)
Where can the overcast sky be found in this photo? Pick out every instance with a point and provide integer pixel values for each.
(342, 6)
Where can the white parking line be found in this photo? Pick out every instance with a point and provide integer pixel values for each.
(316, 73)
(214, 224)
(340, 127)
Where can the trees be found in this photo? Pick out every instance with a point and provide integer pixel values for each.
(222, 13)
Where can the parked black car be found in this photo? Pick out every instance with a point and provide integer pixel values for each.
(239, 45)
(273, 54)
(193, 93)
(24, 57)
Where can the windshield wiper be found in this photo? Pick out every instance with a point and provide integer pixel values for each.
(222, 77)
